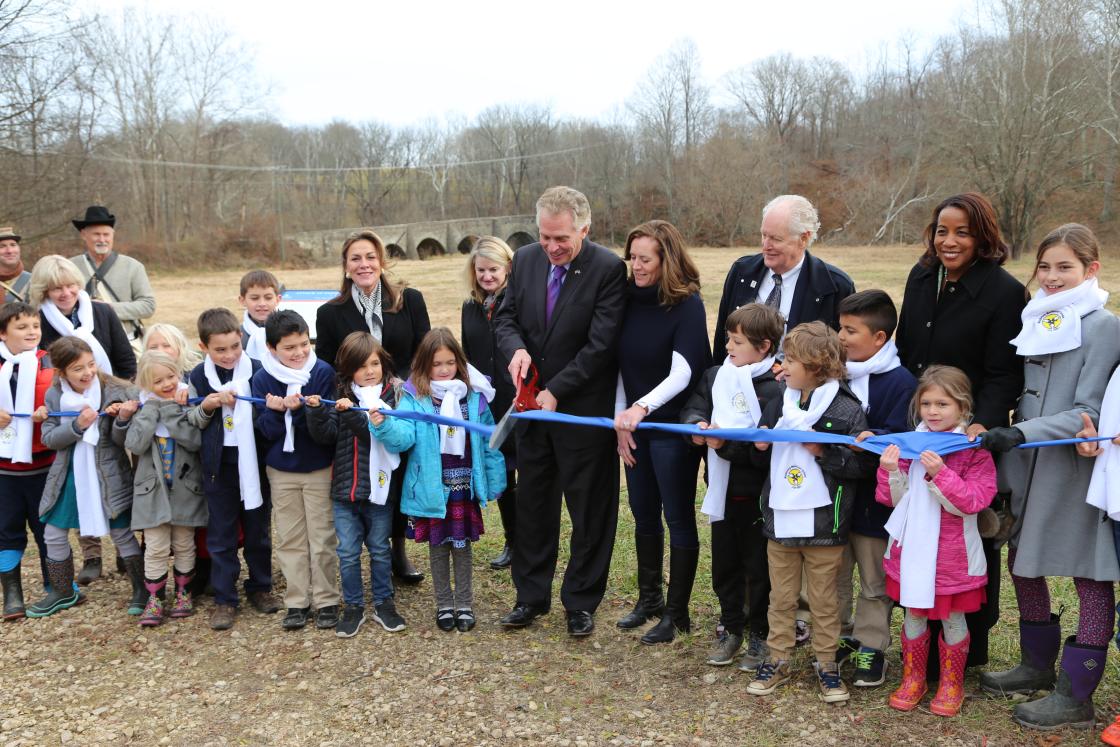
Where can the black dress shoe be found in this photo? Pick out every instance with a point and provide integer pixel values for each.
(580, 623)
(522, 615)
(504, 559)
(403, 569)
(445, 619)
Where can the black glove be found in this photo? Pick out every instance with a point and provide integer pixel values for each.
(1000, 440)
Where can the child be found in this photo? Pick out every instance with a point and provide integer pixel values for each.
(885, 387)
(260, 296)
(24, 378)
(807, 503)
(237, 495)
(167, 503)
(299, 470)
(89, 486)
(455, 474)
(169, 339)
(733, 395)
(936, 567)
(362, 478)
(1070, 343)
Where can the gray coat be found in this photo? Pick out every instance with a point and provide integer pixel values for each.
(1056, 532)
(153, 503)
(113, 466)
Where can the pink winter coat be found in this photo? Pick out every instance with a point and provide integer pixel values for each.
(967, 484)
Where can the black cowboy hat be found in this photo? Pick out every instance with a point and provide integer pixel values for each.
(96, 215)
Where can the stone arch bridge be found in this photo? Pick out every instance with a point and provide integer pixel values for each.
(428, 239)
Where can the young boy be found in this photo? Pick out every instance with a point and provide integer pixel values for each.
(807, 503)
(885, 387)
(259, 297)
(733, 395)
(25, 377)
(237, 494)
(299, 470)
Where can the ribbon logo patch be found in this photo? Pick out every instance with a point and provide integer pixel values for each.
(227, 421)
(795, 477)
(382, 478)
(1051, 320)
(739, 402)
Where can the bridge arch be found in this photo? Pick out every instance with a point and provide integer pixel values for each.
(519, 239)
(466, 244)
(396, 251)
(429, 247)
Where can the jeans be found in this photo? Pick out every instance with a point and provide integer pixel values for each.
(664, 478)
(358, 523)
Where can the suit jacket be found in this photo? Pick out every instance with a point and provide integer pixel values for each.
(816, 297)
(401, 331)
(577, 353)
(109, 331)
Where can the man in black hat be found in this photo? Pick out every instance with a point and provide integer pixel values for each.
(120, 281)
(14, 279)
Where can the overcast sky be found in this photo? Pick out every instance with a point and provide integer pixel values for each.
(404, 61)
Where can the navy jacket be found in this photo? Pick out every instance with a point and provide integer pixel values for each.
(211, 455)
(309, 455)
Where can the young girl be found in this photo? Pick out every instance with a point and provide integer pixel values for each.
(169, 339)
(363, 478)
(452, 472)
(89, 486)
(167, 502)
(935, 564)
(1070, 344)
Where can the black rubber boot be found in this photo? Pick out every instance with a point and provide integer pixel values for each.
(14, 608)
(91, 571)
(1071, 702)
(650, 551)
(682, 572)
(200, 579)
(62, 593)
(1038, 650)
(134, 566)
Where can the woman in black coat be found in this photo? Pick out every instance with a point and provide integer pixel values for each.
(369, 300)
(487, 271)
(961, 308)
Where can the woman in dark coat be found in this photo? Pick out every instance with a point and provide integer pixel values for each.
(487, 271)
(961, 308)
(370, 300)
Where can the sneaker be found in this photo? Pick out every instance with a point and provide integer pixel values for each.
(296, 618)
(757, 652)
(833, 689)
(846, 649)
(770, 675)
(386, 614)
(871, 667)
(726, 647)
(327, 617)
(1111, 733)
(801, 633)
(352, 618)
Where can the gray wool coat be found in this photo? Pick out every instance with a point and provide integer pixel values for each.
(153, 503)
(113, 465)
(1056, 533)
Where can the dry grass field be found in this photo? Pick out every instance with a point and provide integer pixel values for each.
(90, 676)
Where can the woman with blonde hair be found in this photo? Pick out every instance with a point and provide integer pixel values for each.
(486, 273)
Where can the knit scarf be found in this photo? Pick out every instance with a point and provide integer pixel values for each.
(14, 275)
(16, 439)
(256, 347)
(734, 405)
(382, 462)
(1052, 322)
(91, 512)
(860, 372)
(370, 306)
(84, 330)
(237, 427)
(294, 378)
(797, 485)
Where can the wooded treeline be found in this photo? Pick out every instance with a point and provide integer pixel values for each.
(160, 118)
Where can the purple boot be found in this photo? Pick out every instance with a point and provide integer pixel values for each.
(1038, 650)
(1071, 702)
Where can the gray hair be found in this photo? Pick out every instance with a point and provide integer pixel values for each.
(802, 215)
(52, 271)
(558, 200)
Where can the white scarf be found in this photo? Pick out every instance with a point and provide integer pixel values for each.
(734, 405)
(16, 439)
(1104, 486)
(256, 347)
(915, 528)
(295, 378)
(91, 514)
(161, 429)
(84, 330)
(859, 372)
(797, 485)
(1052, 323)
(382, 462)
(237, 427)
(452, 440)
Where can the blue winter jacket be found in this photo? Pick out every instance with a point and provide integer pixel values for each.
(424, 494)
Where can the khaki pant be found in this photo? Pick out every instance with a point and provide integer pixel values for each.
(871, 625)
(820, 565)
(158, 544)
(306, 544)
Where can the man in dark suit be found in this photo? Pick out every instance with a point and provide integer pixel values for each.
(785, 275)
(562, 314)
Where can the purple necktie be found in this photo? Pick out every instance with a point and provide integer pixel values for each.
(554, 284)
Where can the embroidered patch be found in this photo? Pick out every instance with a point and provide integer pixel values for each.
(1051, 321)
(1090, 664)
(451, 431)
(8, 435)
(739, 402)
(795, 476)
(382, 478)
(227, 421)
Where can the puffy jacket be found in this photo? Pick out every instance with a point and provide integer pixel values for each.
(967, 483)
(41, 456)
